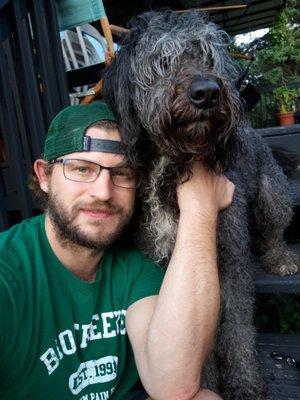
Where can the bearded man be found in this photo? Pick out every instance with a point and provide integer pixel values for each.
(85, 318)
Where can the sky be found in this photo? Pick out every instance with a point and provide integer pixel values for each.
(248, 37)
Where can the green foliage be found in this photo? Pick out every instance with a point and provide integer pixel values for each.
(278, 52)
(278, 313)
(281, 35)
(286, 99)
(277, 64)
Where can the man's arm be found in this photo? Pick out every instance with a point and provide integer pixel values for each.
(172, 334)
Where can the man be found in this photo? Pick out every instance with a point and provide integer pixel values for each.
(70, 299)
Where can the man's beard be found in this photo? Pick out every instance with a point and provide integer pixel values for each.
(70, 234)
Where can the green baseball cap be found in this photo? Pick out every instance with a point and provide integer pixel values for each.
(66, 133)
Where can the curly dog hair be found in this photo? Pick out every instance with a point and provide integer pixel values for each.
(173, 87)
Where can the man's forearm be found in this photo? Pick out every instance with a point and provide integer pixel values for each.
(182, 328)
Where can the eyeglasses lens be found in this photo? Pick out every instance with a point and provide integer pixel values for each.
(87, 171)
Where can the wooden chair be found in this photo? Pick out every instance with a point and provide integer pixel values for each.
(75, 13)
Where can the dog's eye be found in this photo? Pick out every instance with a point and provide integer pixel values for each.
(164, 66)
(210, 60)
(219, 82)
(165, 63)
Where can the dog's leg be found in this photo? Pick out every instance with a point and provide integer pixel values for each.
(210, 378)
(239, 370)
(273, 213)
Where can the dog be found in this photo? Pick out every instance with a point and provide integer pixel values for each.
(172, 85)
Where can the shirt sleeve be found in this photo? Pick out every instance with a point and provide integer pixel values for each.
(148, 281)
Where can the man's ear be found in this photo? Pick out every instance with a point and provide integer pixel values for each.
(40, 170)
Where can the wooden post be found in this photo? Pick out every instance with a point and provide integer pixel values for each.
(109, 55)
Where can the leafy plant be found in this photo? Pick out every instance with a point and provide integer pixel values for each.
(286, 99)
(276, 64)
(277, 54)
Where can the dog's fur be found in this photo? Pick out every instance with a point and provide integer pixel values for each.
(148, 85)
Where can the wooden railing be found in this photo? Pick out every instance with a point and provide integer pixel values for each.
(33, 89)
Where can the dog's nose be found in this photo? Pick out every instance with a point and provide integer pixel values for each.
(204, 93)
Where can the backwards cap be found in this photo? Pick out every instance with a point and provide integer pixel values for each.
(66, 133)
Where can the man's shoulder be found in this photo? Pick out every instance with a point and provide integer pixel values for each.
(20, 235)
(134, 274)
(132, 254)
(132, 259)
(16, 249)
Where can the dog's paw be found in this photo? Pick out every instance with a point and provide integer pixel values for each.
(287, 269)
(281, 263)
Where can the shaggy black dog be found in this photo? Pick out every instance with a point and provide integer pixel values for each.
(173, 87)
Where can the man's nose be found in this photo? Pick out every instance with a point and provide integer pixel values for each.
(102, 187)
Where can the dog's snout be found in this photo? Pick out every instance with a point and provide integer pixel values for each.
(204, 93)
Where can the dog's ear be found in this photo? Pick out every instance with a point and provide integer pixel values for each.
(227, 129)
(230, 151)
(117, 91)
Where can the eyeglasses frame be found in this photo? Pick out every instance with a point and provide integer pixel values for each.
(64, 160)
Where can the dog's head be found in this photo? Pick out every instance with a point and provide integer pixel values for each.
(173, 86)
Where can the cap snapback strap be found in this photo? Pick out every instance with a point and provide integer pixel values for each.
(103, 145)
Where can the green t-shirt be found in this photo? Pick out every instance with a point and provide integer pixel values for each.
(61, 337)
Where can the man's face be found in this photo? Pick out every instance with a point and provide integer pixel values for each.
(91, 214)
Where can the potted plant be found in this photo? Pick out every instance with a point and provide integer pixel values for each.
(286, 101)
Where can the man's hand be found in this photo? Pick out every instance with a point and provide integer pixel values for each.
(204, 192)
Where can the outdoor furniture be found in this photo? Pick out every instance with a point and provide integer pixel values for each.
(73, 14)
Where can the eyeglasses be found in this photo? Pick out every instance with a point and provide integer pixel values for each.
(87, 171)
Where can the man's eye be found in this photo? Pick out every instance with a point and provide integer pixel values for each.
(118, 172)
(82, 169)
(123, 172)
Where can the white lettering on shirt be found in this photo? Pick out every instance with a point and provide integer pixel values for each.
(94, 371)
(103, 326)
(67, 342)
(107, 331)
(50, 359)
